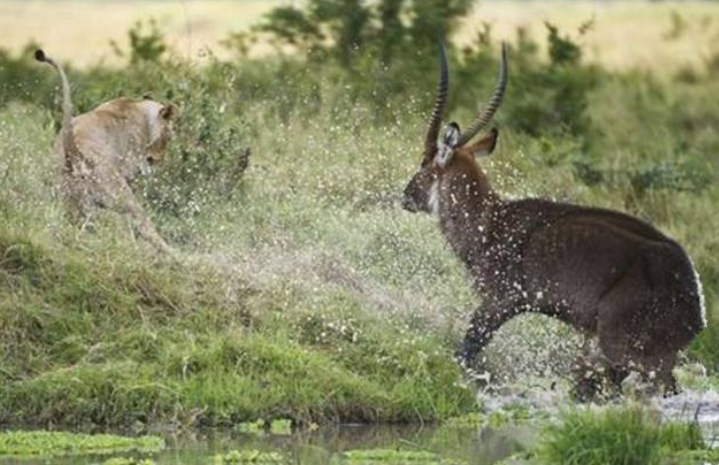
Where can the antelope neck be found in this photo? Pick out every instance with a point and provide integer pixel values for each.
(465, 198)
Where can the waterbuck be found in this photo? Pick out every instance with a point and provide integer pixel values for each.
(603, 272)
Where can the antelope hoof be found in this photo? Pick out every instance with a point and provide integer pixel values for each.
(586, 390)
(463, 359)
(468, 363)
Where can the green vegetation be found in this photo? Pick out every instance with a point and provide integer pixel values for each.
(249, 456)
(351, 457)
(374, 456)
(472, 420)
(167, 346)
(281, 427)
(697, 456)
(303, 293)
(345, 30)
(251, 427)
(615, 437)
(259, 427)
(54, 444)
(128, 461)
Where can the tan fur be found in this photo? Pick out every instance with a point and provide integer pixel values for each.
(103, 150)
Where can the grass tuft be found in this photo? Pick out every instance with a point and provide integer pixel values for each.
(615, 436)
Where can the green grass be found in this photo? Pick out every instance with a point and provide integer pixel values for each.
(116, 341)
(626, 436)
(304, 292)
(157, 357)
(53, 444)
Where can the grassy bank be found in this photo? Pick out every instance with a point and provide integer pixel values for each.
(89, 339)
(302, 290)
(260, 319)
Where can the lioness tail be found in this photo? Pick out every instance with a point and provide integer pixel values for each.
(68, 140)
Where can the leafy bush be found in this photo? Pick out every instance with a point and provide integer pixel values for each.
(23, 79)
(147, 43)
(347, 29)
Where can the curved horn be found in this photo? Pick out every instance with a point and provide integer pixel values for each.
(435, 120)
(494, 102)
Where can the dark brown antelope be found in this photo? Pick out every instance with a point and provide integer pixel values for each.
(601, 271)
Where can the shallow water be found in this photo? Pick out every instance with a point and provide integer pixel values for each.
(703, 406)
(467, 444)
(326, 445)
(687, 406)
(459, 444)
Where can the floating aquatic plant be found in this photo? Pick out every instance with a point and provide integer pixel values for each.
(51, 444)
(248, 456)
(394, 456)
(128, 461)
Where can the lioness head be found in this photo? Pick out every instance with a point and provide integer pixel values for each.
(160, 120)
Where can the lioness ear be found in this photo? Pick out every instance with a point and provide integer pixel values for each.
(168, 112)
(485, 145)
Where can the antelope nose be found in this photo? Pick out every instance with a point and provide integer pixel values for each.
(409, 204)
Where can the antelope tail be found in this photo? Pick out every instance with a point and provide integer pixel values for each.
(68, 140)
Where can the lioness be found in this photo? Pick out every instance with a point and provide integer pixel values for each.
(104, 149)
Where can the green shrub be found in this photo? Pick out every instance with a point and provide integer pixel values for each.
(147, 43)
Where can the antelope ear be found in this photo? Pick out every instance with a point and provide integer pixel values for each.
(486, 145)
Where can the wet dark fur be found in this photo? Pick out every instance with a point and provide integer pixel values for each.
(601, 271)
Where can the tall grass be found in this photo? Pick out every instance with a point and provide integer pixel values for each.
(630, 436)
(304, 291)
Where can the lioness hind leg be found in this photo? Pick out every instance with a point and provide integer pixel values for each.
(74, 208)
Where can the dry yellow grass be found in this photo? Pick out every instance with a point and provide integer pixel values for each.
(81, 30)
(625, 34)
